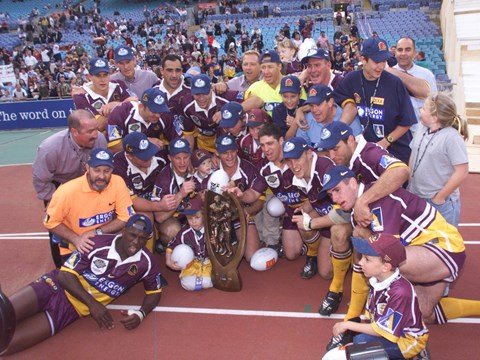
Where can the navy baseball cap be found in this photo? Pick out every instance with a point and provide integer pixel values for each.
(318, 94)
(290, 83)
(257, 117)
(201, 84)
(316, 54)
(194, 205)
(147, 227)
(155, 99)
(137, 144)
(123, 53)
(270, 56)
(231, 113)
(191, 72)
(333, 177)
(100, 157)
(375, 49)
(294, 147)
(199, 156)
(98, 65)
(225, 143)
(332, 134)
(178, 146)
(386, 246)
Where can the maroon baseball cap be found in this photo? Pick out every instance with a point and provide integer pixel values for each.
(386, 246)
(199, 156)
(257, 117)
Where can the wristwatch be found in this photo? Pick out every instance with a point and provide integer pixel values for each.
(390, 139)
(98, 231)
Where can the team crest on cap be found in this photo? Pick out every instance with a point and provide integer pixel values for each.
(128, 148)
(159, 100)
(382, 46)
(179, 144)
(226, 114)
(289, 146)
(122, 52)
(145, 97)
(100, 63)
(325, 134)
(200, 83)
(326, 179)
(289, 82)
(143, 144)
(251, 117)
(269, 107)
(226, 141)
(312, 92)
(102, 155)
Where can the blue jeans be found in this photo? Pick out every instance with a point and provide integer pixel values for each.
(450, 210)
(391, 348)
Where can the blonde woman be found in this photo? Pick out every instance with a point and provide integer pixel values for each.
(439, 162)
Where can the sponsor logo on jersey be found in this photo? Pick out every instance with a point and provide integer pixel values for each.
(73, 260)
(377, 100)
(114, 132)
(98, 265)
(96, 219)
(135, 127)
(273, 181)
(379, 130)
(377, 221)
(387, 160)
(390, 321)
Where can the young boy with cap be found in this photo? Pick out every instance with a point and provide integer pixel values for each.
(197, 275)
(100, 96)
(284, 114)
(392, 307)
(202, 162)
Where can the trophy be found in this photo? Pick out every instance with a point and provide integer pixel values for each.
(225, 248)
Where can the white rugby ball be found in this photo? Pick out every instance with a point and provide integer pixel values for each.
(218, 180)
(275, 207)
(183, 255)
(337, 353)
(263, 259)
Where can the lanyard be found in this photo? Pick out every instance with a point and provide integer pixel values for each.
(370, 109)
(419, 158)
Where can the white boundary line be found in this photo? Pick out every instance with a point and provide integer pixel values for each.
(234, 312)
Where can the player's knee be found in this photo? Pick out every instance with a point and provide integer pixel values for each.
(340, 237)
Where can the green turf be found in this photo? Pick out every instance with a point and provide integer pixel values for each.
(20, 146)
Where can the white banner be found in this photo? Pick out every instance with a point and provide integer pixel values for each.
(7, 74)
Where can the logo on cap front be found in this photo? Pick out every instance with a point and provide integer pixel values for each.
(159, 100)
(382, 46)
(179, 144)
(226, 114)
(312, 92)
(326, 179)
(122, 52)
(226, 141)
(289, 82)
(325, 134)
(200, 83)
(102, 155)
(100, 63)
(289, 146)
(143, 144)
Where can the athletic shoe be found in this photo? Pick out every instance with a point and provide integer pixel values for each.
(310, 268)
(330, 304)
(342, 339)
(277, 248)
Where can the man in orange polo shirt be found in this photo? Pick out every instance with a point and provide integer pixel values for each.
(93, 204)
